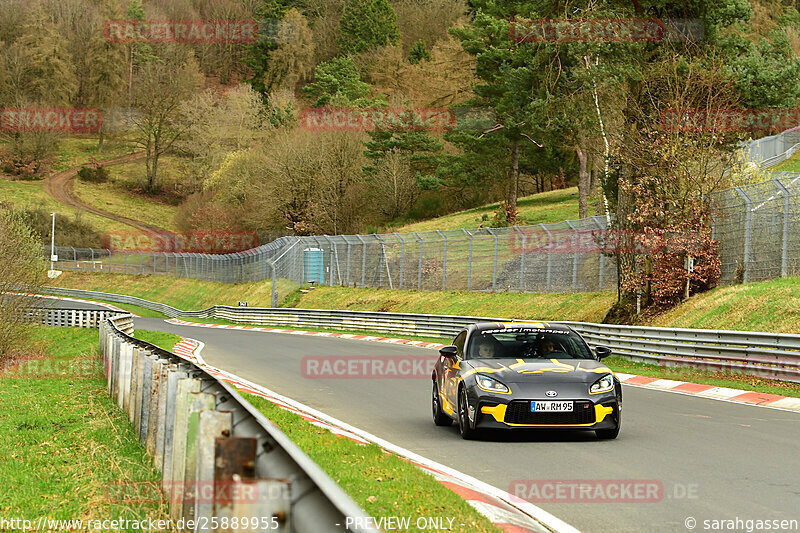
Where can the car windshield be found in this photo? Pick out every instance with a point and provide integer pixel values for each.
(527, 343)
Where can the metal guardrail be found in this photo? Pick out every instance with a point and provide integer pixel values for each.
(771, 355)
(68, 318)
(220, 458)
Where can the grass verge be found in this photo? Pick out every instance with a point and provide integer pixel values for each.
(67, 442)
(182, 293)
(542, 208)
(442, 340)
(382, 484)
(166, 341)
(583, 307)
(717, 379)
(772, 306)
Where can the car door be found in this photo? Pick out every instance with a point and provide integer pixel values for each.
(450, 369)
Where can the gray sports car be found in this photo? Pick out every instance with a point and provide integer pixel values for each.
(525, 375)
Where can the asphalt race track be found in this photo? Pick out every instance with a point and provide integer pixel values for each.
(715, 460)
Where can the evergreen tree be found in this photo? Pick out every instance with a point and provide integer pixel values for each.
(367, 23)
(49, 70)
(418, 52)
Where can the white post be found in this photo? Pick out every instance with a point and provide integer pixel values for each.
(52, 241)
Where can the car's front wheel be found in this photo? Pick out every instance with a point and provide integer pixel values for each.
(440, 418)
(467, 431)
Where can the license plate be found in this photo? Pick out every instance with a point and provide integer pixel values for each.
(551, 407)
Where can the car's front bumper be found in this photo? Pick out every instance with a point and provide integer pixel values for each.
(490, 412)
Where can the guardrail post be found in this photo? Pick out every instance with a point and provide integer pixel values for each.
(152, 400)
(747, 232)
(146, 388)
(211, 426)
(233, 457)
(200, 401)
(444, 260)
(170, 421)
(135, 412)
(167, 369)
(186, 386)
(785, 236)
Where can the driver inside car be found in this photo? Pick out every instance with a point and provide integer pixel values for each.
(486, 349)
(546, 347)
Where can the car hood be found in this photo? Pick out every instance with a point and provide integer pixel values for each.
(531, 370)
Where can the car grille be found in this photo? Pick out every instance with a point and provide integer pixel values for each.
(519, 412)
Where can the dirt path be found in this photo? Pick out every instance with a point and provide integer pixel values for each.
(59, 187)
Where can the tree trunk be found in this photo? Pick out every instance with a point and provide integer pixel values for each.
(511, 204)
(584, 183)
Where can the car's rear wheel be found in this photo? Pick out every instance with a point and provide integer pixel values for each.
(610, 434)
(440, 418)
(467, 432)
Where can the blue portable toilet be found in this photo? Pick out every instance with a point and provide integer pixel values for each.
(313, 265)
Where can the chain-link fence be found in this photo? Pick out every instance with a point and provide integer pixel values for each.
(561, 257)
(758, 227)
(772, 150)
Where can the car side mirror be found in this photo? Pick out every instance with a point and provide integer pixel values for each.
(602, 352)
(448, 352)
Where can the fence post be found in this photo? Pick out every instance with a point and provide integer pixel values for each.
(469, 260)
(444, 260)
(575, 241)
(348, 262)
(785, 237)
(419, 265)
(549, 256)
(363, 261)
(494, 269)
(402, 258)
(273, 290)
(602, 259)
(522, 260)
(75, 257)
(747, 232)
(383, 257)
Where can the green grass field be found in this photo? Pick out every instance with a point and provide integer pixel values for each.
(185, 294)
(772, 306)
(583, 307)
(790, 165)
(382, 484)
(543, 208)
(68, 450)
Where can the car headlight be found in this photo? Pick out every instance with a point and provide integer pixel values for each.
(604, 384)
(490, 384)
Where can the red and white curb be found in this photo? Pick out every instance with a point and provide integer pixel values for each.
(352, 336)
(759, 399)
(505, 511)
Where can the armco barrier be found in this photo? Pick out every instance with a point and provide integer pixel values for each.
(222, 462)
(69, 318)
(772, 355)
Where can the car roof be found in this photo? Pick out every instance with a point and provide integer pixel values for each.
(484, 326)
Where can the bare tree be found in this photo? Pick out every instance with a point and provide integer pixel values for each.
(159, 90)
